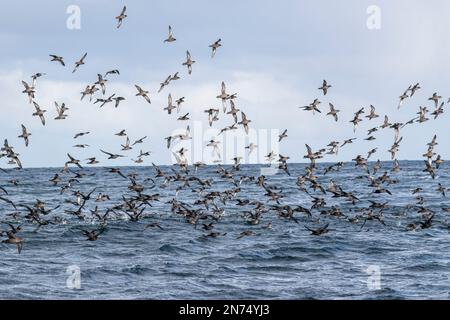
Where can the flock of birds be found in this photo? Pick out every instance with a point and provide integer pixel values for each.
(206, 212)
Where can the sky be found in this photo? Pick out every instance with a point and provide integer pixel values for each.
(274, 55)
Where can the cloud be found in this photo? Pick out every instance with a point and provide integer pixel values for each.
(275, 67)
(270, 101)
(50, 144)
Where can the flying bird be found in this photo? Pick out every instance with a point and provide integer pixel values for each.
(117, 101)
(282, 136)
(79, 62)
(216, 45)
(170, 38)
(244, 122)
(121, 17)
(114, 71)
(35, 76)
(74, 161)
(251, 147)
(143, 93)
(189, 62)
(325, 86)
(112, 156)
(29, 90)
(39, 113)
(80, 134)
(170, 105)
(57, 59)
(60, 110)
(223, 96)
(333, 112)
(25, 135)
(101, 82)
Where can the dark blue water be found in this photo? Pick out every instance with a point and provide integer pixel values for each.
(178, 262)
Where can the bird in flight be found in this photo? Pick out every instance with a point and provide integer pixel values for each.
(216, 45)
(325, 86)
(79, 63)
(244, 122)
(25, 135)
(14, 239)
(170, 105)
(143, 93)
(224, 96)
(282, 136)
(251, 147)
(115, 71)
(93, 235)
(39, 113)
(29, 90)
(112, 156)
(189, 62)
(58, 59)
(313, 106)
(318, 231)
(333, 112)
(60, 110)
(80, 134)
(170, 38)
(121, 17)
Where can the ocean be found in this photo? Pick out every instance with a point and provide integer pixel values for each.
(365, 259)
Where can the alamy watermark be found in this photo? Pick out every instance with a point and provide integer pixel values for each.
(73, 22)
(374, 277)
(373, 21)
(73, 280)
(211, 146)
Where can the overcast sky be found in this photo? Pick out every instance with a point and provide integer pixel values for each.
(274, 55)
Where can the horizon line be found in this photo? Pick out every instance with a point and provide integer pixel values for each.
(205, 164)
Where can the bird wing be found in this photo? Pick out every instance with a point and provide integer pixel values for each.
(309, 149)
(223, 87)
(109, 154)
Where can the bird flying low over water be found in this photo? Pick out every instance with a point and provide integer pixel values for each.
(403, 97)
(220, 190)
(35, 76)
